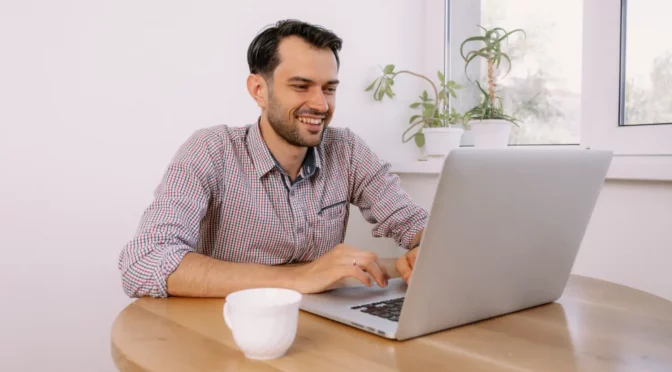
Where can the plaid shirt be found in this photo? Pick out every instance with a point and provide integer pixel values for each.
(225, 196)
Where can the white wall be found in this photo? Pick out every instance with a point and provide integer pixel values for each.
(629, 238)
(96, 96)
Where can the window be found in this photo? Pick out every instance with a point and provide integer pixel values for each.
(606, 72)
(646, 62)
(641, 151)
(601, 69)
(543, 87)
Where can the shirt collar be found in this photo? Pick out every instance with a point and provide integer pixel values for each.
(264, 161)
(261, 155)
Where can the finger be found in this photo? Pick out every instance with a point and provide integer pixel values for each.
(371, 267)
(356, 272)
(383, 268)
(373, 257)
(404, 267)
(412, 255)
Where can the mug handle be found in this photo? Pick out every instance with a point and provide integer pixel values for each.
(227, 315)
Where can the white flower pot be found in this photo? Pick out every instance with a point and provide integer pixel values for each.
(490, 133)
(439, 141)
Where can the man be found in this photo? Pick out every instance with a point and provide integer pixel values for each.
(237, 203)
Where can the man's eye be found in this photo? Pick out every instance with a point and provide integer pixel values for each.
(301, 87)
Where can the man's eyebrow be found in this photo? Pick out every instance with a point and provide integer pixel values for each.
(309, 81)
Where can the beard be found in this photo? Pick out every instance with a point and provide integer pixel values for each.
(288, 129)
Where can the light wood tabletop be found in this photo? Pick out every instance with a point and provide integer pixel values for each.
(595, 326)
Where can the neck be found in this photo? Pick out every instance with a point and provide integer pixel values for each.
(289, 157)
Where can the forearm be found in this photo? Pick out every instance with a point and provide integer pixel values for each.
(201, 276)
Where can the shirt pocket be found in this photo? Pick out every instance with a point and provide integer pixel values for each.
(328, 228)
(333, 211)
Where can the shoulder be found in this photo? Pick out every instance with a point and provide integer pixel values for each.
(344, 146)
(211, 146)
(220, 134)
(335, 137)
(217, 138)
(344, 139)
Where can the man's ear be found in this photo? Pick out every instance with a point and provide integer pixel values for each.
(258, 89)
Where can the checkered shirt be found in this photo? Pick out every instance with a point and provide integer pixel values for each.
(224, 195)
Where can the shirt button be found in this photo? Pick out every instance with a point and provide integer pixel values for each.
(299, 230)
(291, 193)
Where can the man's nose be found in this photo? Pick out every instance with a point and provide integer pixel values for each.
(318, 101)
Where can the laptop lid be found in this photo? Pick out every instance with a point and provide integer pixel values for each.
(503, 233)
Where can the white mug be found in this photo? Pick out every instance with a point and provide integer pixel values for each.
(263, 321)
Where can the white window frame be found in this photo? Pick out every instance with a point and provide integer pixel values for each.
(640, 152)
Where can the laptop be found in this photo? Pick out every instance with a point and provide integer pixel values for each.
(504, 230)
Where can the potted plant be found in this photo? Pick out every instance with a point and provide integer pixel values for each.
(490, 125)
(436, 126)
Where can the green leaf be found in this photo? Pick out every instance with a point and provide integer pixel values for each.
(380, 94)
(482, 90)
(425, 96)
(419, 139)
(388, 69)
(473, 38)
(471, 56)
(454, 85)
(442, 94)
(415, 105)
(388, 91)
(375, 92)
(442, 78)
(428, 111)
(371, 86)
(413, 118)
(452, 93)
(509, 61)
(509, 34)
(410, 127)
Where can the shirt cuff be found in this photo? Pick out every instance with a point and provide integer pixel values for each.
(171, 260)
(408, 236)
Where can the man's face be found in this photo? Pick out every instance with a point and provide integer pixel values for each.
(302, 94)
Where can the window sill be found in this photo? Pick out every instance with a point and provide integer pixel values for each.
(623, 167)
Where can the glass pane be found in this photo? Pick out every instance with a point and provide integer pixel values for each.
(543, 88)
(648, 62)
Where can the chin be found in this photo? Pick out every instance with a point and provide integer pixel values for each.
(312, 140)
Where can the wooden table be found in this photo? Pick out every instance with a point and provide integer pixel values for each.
(595, 326)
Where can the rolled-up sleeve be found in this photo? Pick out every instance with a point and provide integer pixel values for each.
(380, 197)
(169, 227)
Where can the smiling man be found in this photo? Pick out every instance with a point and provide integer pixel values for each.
(237, 203)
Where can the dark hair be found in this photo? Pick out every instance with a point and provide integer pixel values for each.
(262, 54)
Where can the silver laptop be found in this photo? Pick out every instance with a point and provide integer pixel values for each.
(503, 233)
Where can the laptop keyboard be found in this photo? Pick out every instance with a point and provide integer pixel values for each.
(389, 309)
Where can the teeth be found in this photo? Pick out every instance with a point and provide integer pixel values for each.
(310, 120)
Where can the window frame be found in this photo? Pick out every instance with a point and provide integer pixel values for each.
(641, 152)
(622, 76)
(602, 93)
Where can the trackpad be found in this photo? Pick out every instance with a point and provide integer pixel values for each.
(353, 296)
